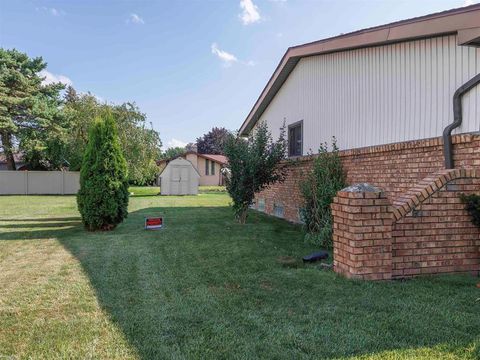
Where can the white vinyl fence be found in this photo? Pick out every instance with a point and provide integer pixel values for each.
(39, 182)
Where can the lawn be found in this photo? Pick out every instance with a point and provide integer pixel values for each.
(205, 287)
(155, 190)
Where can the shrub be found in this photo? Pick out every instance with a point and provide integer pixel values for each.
(103, 196)
(254, 163)
(318, 189)
(472, 205)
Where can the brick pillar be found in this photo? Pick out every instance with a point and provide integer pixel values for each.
(362, 233)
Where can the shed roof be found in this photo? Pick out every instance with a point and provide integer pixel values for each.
(463, 21)
(180, 161)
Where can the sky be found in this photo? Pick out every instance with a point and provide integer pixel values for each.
(189, 65)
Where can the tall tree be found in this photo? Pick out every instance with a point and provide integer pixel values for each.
(81, 111)
(71, 95)
(214, 141)
(26, 105)
(139, 142)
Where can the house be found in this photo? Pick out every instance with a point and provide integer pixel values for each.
(402, 102)
(19, 162)
(179, 177)
(207, 165)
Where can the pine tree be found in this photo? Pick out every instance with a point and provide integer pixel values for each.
(103, 196)
(28, 108)
(71, 95)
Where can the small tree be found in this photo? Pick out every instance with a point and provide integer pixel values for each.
(103, 196)
(254, 163)
(318, 189)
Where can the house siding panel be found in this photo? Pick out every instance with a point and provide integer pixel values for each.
(378, 95)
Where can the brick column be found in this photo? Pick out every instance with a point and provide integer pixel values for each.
(362, 233)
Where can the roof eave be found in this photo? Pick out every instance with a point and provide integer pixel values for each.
(463, 21)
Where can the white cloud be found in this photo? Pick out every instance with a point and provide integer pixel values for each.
(176, 143)
(51, 11)
(227, 58)
(250, 13)
(135, 19)
(54, 78)
(469, 2)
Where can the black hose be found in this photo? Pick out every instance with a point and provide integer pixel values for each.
(457, 119)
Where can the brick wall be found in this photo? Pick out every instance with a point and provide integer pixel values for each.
(362, 234)
(425, 231)
(394, 168)
(433, 233)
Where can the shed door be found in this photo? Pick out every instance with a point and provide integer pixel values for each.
(179, 180)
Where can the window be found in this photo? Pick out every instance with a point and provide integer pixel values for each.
(278, 210)
(295, 139)
(212, 172)
(207, 168)
(261, 205)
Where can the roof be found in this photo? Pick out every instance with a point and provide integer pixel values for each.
(221, 159)
(463, 21)
(18, 157)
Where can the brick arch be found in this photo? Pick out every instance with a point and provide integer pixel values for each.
(425, 188)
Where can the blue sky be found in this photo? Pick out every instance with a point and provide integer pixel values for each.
(189, 65)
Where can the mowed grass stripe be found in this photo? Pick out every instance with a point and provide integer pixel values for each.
(206, 287)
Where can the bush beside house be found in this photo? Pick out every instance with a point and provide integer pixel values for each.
(318, 189)
(254, 164)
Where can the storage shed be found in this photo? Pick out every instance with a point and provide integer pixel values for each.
(179, 178)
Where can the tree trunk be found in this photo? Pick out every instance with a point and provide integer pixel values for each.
(242, 217)
(6, 138)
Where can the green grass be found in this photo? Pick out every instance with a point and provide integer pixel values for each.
(137, 191)
(211, 188)
(204, 288)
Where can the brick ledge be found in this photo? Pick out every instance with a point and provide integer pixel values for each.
(407, 202)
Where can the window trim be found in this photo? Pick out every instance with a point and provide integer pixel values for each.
(293, 125)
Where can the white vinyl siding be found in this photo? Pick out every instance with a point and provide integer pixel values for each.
(378, 95)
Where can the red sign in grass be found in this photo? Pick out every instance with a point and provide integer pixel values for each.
(153, 223)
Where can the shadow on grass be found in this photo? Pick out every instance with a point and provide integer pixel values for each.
(42, 220)
(144, 195)
(206, 287)
(48, 228)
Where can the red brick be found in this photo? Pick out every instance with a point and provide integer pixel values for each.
(411, 175)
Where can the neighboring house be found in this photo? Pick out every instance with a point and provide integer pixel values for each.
(208, 166)
(19, 163)
(386, 94)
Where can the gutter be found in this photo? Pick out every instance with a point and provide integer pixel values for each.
(457, 119)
